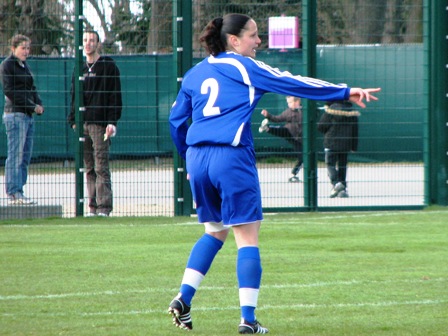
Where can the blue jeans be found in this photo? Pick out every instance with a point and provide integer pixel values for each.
(20, 137)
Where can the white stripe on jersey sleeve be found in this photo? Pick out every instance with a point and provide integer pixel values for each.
(241, 69)
(307, 80)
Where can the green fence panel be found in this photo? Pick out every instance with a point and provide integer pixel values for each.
(392, 128)
(148, 95)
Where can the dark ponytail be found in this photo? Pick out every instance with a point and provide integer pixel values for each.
(214, 35)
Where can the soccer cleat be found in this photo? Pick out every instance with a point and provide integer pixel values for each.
(251, 328)
(264, 126)
(180, 313)
(337, 189)
(102, 214)
(294, 179)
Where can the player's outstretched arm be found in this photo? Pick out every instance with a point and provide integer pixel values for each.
(357, 95)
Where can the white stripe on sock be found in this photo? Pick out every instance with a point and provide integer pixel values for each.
(192, 278)
(248, 297)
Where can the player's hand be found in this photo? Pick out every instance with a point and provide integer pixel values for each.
(265, 113)
(357, 95)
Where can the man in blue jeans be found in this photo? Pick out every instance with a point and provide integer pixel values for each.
(21, 101)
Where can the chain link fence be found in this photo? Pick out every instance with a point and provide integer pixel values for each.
(378, 44)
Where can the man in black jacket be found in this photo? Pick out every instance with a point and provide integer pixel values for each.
(339, 124)
(103, 105)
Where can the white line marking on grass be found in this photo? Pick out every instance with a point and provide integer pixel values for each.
(211, 288)
(337, 215)
(262, 307)
(360, 304)
(93, 225)
(282, 307)
(269, 218)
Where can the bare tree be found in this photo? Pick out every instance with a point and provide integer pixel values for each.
(145, 26)
(366, 22)
(403, 22)
(147, 29)
(160, 32)
(413, 31)
(42, 20)
(8, 22)
(104, 20)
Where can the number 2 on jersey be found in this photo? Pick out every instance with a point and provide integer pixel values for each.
(210, 85)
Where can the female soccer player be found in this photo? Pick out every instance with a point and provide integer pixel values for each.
(219, 95)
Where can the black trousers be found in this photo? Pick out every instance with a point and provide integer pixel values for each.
(336, 166)
(283, 132)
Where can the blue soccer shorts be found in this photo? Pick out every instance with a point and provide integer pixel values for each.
(224, 182)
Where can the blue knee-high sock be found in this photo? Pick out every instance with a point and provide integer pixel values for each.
(198, 264)
(249, 277)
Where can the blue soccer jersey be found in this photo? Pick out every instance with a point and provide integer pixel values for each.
(220, 94)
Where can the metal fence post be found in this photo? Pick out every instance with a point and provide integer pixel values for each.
(79, 109)
(309, 8)
(436, 14)
(183, 55)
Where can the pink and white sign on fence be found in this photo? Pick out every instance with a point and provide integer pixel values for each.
(283, 32)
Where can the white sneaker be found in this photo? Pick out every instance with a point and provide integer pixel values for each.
(343, 194)
(11, 199)
(337, 189)
(264, 126)
(294, 179)
(21, 199)
(102, 214)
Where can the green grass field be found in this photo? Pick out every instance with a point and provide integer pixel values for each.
(369, 273)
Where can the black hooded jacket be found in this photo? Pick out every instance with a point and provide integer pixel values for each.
(101, 93)
(339, 124)
(18, 86)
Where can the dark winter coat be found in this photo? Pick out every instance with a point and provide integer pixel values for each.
(292, 119)
(102, 93)
(339, 124)
(18, 86)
